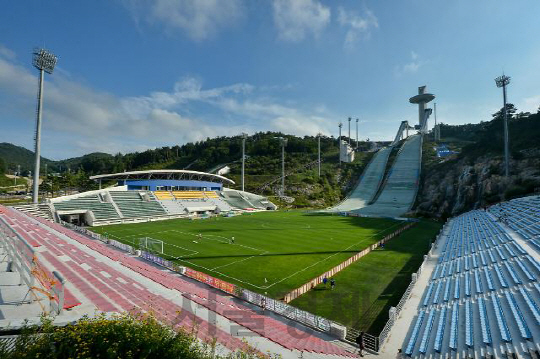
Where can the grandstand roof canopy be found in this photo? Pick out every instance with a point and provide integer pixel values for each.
(164, 174)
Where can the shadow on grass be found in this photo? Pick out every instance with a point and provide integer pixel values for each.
(270, 254)
(374, 318)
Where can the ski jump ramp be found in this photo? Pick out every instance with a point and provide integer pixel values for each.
(400, 189)
(370, 181)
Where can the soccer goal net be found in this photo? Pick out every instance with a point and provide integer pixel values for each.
(151, 245)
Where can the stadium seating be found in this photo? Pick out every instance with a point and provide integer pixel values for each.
(493, 280)
(188, 194)
(102, 210)
(163, 195)
(136, 204)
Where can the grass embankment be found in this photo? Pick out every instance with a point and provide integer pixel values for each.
(367, 289)
(273, 252)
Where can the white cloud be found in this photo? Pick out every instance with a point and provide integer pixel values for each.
(199, 19)
(79, 119)
(6, 53)
(297, 19)
(410, 67)
(529, 104)
(357, 26)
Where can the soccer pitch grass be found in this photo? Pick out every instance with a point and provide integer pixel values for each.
(367, 289)
(273, 252)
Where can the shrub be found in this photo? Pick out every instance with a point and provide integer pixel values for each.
(119, 336)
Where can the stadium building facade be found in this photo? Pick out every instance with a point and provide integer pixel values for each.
(141, 196)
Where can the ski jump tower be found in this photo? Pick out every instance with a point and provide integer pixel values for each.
(423, 113)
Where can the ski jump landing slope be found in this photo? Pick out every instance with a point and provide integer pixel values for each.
(368, 185)
(399, 191)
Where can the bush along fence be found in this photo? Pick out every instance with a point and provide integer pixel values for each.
(373, 342)
(311, 320)
(318, 280)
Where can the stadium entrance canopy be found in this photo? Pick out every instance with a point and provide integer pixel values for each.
(155, 180)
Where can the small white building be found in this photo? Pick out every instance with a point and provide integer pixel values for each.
(346, 152)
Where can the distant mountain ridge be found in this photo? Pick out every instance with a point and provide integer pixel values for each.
(15, 155)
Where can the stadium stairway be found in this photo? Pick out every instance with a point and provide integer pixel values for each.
(42, 210)
(108, 280)
(477, 295)
(400, 188)
(368, 185)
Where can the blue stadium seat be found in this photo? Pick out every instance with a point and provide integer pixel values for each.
(528, 274)
(428, 294)
(531, 304)
(447, 290)
(483, 259)
(427, 332)
(469, 341)
(440, 331)
(456, 288)
(478, 282)
(454, 327)
(484, 323)
(500, 275)
(467, 284)
(501, 254)
(489, 280)
(414, 335)
(533, 262)
(512, 272)
(518, 316)
(501, 322)
(437, 292)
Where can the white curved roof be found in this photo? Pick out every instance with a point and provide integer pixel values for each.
(164, 174)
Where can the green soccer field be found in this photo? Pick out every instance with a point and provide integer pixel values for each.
(273, 252)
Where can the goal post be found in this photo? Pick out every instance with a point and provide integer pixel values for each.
(151, 245)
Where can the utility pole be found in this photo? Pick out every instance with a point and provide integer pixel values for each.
(319, 145)
(503, 81)
(339, 143)
(283, 144)
(349, 131)
(435, 130)
(357, 134)
(244, 136)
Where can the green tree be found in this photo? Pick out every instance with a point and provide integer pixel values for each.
(3, 166)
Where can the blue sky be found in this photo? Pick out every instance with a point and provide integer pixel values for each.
(136, 74)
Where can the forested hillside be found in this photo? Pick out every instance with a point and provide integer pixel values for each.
(263, 166)
(475, 177)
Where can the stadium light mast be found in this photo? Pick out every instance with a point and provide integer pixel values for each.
(319, 151)
(357, 134)
(435, 129)
(244, 136)
(503, 81)
(44, 61)
(339, 143)
(283, 142)
(349, 131)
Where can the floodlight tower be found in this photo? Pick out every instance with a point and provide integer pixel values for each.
(44, 61)
(339, 142)
(357, 134)
(421, 99)
(244, 136)
(283, 142)
(436, 128)
(319, 151)
(503, 81)
(349, 131)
